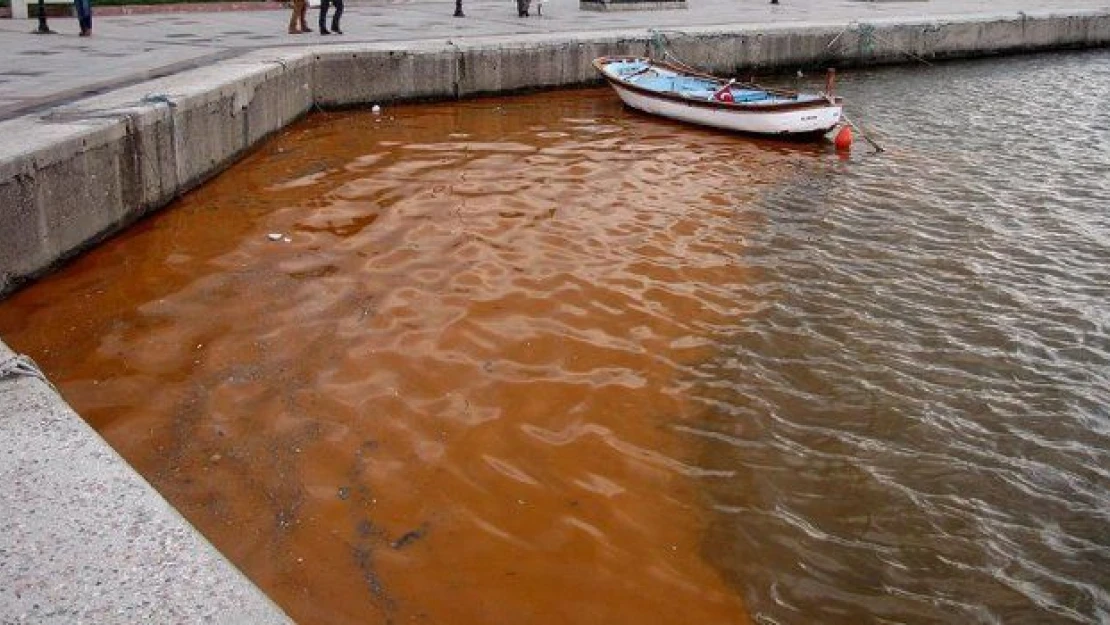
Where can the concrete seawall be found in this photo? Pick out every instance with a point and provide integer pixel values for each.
(76, 174)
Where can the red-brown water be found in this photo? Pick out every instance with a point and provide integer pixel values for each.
(545, 360)
(447, 393)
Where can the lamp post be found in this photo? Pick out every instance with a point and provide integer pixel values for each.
(458, 8)
(43, 29)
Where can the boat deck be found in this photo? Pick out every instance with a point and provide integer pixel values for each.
(644, 74)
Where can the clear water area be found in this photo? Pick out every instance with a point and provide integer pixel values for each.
(547, 360)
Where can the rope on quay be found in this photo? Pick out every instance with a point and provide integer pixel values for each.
(21, 366)
(867, 36)
(659, 46)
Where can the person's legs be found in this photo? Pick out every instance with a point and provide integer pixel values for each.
(335, 18)
(323, 21)
(304, 17)
(294, 17)
(84, 16)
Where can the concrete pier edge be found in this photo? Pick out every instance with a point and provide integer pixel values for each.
(83, 538)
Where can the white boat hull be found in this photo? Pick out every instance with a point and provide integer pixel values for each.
(804, 121)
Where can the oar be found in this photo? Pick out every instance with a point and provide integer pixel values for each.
(874, 144)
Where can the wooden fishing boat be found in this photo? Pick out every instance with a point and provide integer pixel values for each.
(678, 92)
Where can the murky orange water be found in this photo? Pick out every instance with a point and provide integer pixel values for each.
(448, 393)
(544, 360)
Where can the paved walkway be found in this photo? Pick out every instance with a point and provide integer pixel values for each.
(37, 71)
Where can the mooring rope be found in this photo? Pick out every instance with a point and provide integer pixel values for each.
(900, 49)
(867, 37)
(874, 144)
(659, 45)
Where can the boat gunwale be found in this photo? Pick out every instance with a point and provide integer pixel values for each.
(738, 107)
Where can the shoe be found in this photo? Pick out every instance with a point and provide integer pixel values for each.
(324, 31)
(85, 32)
(294, 31)
(305, 29)
(336, 31)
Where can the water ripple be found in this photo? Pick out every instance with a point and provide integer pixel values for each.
(548, 360)
(933, 369)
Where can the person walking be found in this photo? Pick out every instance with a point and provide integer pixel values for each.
(334, 18)
(84, 16)
(299, 15)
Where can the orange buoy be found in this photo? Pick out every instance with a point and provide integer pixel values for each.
(843, 139)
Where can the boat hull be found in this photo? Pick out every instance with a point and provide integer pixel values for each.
(779, 114)
(800, 122)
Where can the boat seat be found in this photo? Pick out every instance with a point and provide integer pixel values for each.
(656, 83)
(749, 95)
(698, 94)
(625, 70)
